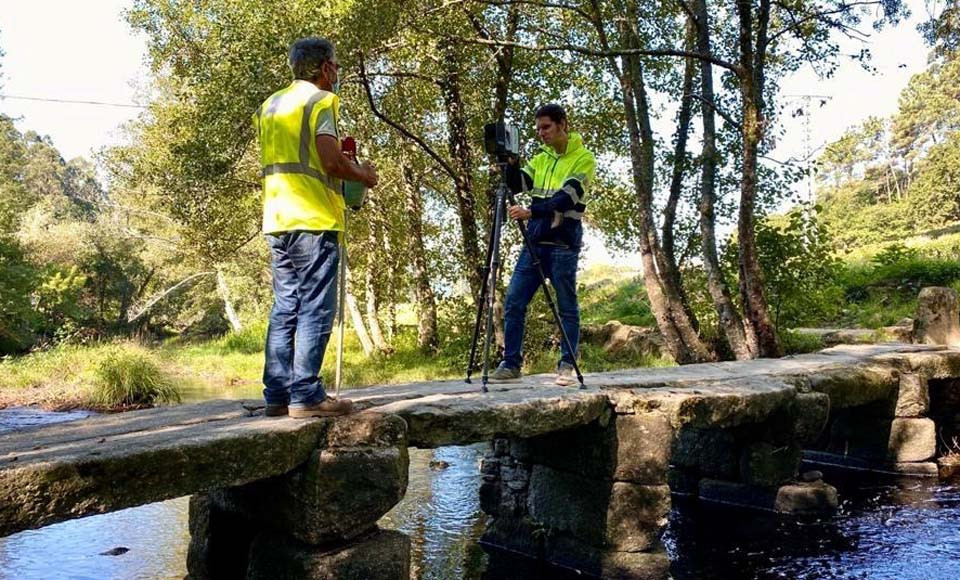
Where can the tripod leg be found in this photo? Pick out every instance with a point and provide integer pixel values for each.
(492, 278)
(481, 302)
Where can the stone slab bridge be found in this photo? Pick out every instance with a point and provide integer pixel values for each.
(580, 478)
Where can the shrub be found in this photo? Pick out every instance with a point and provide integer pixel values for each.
(250, 340)
(128, 376)
(798, 343)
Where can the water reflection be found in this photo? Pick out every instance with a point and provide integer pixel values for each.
(441, 513)
(155, 536)
(901, 528)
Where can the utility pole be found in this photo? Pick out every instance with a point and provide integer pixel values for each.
(806, 110)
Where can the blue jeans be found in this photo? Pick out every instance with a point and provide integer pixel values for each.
(304, 307)
(560, 266)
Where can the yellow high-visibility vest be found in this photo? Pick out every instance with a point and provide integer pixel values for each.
(297, 193)
(549, 171)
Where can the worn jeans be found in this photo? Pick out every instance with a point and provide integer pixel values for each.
(304, 307)
(560, 266)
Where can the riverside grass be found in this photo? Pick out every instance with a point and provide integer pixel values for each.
(130, 377)
(109, 376)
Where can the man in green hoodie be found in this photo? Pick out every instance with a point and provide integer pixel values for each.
(558, 179)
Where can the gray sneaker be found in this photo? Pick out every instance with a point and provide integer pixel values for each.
(566, 375)
(504, 374)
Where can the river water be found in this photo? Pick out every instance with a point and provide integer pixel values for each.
(895, 528)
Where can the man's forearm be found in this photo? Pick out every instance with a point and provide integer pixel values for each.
(344, 168)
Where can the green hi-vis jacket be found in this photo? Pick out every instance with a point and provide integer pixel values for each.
(297, 194)
(559, 186)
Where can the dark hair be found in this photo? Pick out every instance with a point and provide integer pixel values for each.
(307, 55)
(552, 110)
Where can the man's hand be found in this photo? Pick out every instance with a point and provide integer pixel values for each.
(519, 213)
(370, 174)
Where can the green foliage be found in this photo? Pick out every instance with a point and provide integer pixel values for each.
(893, 254)
(890, 178)
(17, 317)
(57, 300)
(129, 376)
(251, 339)
(800, 269)
(624, 300)
(799, 343)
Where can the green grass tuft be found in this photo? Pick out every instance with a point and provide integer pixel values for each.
(129, 376)
(250, 340)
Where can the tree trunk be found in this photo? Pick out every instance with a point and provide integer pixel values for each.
(358, 326)
(666, 259)
(373, 306)
(682, 339)
(730, 320)
(426, 302)
(224, 291)
(459, 146)
(751, 90)
(371, 278)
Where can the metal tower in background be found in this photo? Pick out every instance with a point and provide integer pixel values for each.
(808, 151)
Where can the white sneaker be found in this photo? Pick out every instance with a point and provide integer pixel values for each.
(565, 375)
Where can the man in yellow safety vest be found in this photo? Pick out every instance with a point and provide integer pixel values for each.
(303, 215)
(558, 179)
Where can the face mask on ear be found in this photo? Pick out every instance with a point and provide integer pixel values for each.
(335, 89)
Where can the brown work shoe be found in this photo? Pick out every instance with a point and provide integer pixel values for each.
(275, 410)
(329, 407)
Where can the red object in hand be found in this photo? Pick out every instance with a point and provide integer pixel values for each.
(349, 148)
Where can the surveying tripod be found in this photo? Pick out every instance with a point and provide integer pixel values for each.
(488, 288)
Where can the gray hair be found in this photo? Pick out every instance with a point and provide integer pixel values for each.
(307, 55)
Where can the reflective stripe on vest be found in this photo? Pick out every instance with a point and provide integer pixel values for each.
(303, 167)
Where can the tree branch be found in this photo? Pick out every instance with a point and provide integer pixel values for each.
(397, 126)
(719, 111)
(604, 53)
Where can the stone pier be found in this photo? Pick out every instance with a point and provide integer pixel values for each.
(318, 521)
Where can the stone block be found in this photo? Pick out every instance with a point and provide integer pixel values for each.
(338, 494)
(636, 516)
(948, 467)
(912, 440)
(643, 443)
(913, 399)
(490, 497)
(589, 451)
(806, 498)
(381, 555)
(654, 565)
(683, 481)
(855, 386)
(711, 451)
(812, 413)
(796, 499)
(766, 464)
(366, 429)
(219, 541)
(938, 317)
(624, 516)
(570, 503)
(633, 448)
(568, 553)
